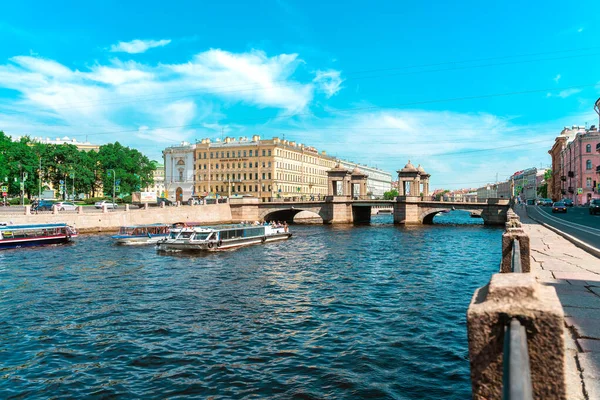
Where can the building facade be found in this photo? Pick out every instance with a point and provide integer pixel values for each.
(82, 146)
(179, 164)
(378, 181)
(158, 176)
(578, 163)
(269, 169)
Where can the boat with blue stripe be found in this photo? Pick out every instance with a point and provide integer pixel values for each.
(18, 236)
(142, 234)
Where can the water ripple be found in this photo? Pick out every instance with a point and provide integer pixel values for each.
(337, 312)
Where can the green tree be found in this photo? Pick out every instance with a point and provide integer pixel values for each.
(391, 195)
(132, 168)
(542, 190)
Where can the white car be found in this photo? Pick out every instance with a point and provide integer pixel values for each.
(108, 204)
(65, 206)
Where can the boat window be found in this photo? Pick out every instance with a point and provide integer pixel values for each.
(186, 235)
(173, 235)
(201, 236)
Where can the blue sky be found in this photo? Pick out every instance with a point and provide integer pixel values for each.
(375, 82)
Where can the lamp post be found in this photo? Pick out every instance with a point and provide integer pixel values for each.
(597, 109)
(114, 175)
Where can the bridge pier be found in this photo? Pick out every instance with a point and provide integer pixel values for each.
(337, 210)
(406, 210)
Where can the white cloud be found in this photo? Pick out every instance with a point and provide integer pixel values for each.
(557, 78)
(563, 94)
(252, 77)
(329, 82)
(138, 46)
(580, 30)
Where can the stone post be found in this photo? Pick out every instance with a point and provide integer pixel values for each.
(145, 206)
(538, 309)
(104, 209)
(126, 207)
(79, 209)
(162, 204)
(507, 245)
(54, 210)
(179, 203)
(27, 210)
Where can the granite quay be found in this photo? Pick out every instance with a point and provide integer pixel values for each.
(533, 330)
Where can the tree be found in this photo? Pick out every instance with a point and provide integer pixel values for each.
(439, 195)
(391, 195)
(542, 190)
(132, 168)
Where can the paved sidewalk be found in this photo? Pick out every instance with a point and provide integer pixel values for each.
(576, 276)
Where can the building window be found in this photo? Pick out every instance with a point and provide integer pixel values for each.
(227, 154)
(256, 175)
(269, 153)
(269, 164)
(239, 153)
(263, 164)
(264, 152)
(588, 164)
(244, 156)
(244, 177)
(269, 175)
(588, 182)
(263, 175)
(244, 165)
(588, 148)
(250, 153)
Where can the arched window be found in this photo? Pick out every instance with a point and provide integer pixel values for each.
(180, 162)
(588, 164)
(588, 148)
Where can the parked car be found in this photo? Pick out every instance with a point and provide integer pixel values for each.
(108, 204)
(195, 200)
(43, 205)
(65, 206)
(595, 206)
(568, 202)
(559, 206)
(547, 202)
(160, 200)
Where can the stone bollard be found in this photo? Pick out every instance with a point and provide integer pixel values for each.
(178, 203)
(79, 209)
(27, 210)
(162, 204)
(104, 209)
(538, 309)
(54, 210)
(507, 245)
(126, 207)
(146, 206)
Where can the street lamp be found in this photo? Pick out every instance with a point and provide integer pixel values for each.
(597, 109)
(114, 175)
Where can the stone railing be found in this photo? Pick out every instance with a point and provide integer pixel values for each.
(515, 329)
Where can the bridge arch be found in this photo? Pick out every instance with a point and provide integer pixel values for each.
(288, 213)
(427, 215)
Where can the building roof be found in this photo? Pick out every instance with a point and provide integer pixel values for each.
(409, 168)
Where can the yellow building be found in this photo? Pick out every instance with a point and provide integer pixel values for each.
(267, 169)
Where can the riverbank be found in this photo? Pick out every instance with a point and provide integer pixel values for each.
(111, 221)
(575, 274)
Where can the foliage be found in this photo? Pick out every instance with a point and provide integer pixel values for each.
(80, 171)
(438, 196)
(17, 201)
(542, 190)
(126, 199)
(391, 195)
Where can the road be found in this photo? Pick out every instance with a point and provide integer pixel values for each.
(576, 222)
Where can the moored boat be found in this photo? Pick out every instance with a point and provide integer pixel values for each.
(222, 237)
(17, 236)
(142, 234)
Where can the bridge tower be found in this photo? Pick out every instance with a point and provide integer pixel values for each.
(409, 181)
(424, 177)
(358, 181)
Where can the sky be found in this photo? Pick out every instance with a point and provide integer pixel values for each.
(473, 91)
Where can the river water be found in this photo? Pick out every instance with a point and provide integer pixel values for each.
(337, 312)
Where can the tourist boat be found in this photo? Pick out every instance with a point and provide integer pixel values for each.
(142, 234)
(16, 236)
(221, 237)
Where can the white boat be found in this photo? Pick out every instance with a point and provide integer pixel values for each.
(198, 238)
(142, 234)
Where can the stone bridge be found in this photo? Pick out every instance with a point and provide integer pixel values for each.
(345, 209)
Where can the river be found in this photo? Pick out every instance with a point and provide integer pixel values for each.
(337, 312)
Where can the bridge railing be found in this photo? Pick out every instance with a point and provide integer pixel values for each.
(531, 319)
